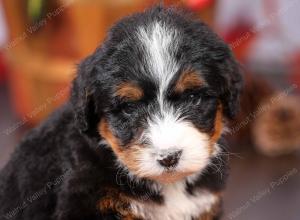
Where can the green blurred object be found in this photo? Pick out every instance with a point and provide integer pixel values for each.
(35, 9)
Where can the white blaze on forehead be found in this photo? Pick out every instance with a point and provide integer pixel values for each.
(166, 130)
(161, 43)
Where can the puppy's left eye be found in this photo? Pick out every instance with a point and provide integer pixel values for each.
(194, 98)
(191, 96)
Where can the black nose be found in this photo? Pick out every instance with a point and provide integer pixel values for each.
(171, 160)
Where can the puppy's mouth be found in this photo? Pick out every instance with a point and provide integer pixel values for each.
(163, 167)
(170, 176)
(166, 162)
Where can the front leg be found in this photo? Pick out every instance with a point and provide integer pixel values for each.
(209, 216)
(114, 205)
(77, 198)
(214, 213)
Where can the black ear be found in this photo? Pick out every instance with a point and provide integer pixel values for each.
(82, 98)
(232, 88)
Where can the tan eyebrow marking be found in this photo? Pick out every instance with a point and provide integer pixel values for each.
(129, 91)
(188, 80)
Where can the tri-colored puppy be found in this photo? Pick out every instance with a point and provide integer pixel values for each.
(141, 137)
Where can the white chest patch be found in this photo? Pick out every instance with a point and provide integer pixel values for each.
(178, 204)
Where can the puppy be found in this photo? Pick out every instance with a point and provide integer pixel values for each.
(141, 137)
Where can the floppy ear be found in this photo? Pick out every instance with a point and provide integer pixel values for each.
(232, 89)
(82, 98)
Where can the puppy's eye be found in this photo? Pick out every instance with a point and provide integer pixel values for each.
(195, 99)
(191, 96)
(128, 108)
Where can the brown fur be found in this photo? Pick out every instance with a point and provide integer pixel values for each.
(188, 80)
(116, 202)
(129, 91)
(218, 128)
(206, 216)
(127, 155)
(213, 212)
(170, 177)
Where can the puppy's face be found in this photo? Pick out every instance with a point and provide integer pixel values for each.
(162, 95)
(164, 131)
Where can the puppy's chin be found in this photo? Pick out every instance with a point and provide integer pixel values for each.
(170, 177)
(167, 175)
(150, 170)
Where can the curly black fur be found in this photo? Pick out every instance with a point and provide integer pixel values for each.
(62, 168)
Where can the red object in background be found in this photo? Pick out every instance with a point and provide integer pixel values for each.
(240, 38)
(295, 79)
(2, 68)
(198, 4)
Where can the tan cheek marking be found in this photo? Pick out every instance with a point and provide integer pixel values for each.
(129, 91)
(106, 133)
(188, 80)
(128, 155)
(218, 128)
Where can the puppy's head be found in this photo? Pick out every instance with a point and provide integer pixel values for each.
(157, 91)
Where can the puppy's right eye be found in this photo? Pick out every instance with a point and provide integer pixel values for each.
(128, 108)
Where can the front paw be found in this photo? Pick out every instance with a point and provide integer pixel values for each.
(116, 206)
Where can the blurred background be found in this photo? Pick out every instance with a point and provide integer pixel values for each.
(41, 41)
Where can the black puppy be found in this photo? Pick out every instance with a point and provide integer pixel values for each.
(141, 137)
